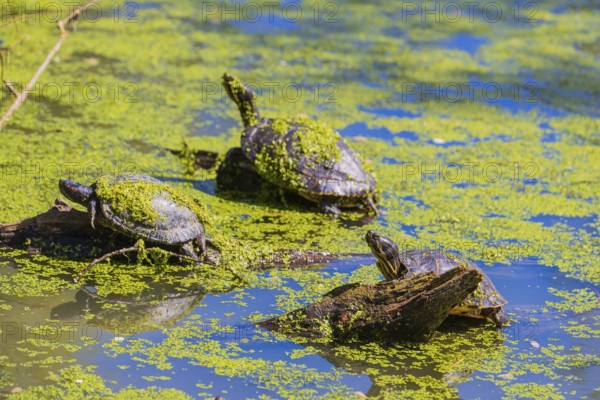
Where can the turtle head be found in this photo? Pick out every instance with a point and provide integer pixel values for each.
(387, 254)
(75, 191)
(244, 97)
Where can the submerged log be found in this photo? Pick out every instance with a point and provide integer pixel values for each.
(65, 231)
(398, 310)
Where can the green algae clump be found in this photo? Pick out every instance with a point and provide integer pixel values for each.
(317, 138)
(280, 126)
(313, 139)
(77, 382)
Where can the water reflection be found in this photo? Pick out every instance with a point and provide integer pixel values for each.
(444, 362)
(41, 334)
(160, 306)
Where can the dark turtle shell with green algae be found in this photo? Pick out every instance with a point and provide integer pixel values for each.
(303, 156)
(141, 207)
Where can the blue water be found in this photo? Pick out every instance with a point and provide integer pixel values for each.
(585, 223)
(361, 129)
(465, 42)
(206, 122)
(524, 285)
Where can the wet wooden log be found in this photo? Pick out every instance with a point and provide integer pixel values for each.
(398, 310)
(54, 220)
(58, 228)
(66, 232)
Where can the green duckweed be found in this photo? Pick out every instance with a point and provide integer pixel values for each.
(155, 89)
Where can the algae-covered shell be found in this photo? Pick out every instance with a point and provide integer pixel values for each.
(307, 157)
(142, 207)
(301, 155)
(158, 217)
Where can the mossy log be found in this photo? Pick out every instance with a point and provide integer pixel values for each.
(398, 310)
(65, 231)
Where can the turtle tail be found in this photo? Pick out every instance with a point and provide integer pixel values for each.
(244, 97)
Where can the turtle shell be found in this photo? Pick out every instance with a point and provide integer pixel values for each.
(484, 301)
(143, 207)
(307, 157)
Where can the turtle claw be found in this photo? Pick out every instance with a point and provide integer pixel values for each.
(328, 207)
(202, 243)
(370, 206)
(188, 250)
(500, 319)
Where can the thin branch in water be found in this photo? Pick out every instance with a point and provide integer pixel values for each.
(136, 249)
(10, 87)
(63, 35)
(133, 249)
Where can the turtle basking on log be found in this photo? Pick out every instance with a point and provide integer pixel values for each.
(301, 155)
(485, 302)
(63, 231)
(142, 207)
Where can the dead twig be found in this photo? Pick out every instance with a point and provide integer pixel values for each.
(133, 249)
(10, 86)
(136, 249)
(63, 35)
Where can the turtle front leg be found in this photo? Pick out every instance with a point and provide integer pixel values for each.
(329, 206)
(92, 211)
(188, 250)
(370, 206)
(499, 318)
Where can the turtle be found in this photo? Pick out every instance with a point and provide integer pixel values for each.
(142, 207)
(303, 156)
(236, 173)
(485, 303)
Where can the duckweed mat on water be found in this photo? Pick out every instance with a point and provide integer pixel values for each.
(483, 136)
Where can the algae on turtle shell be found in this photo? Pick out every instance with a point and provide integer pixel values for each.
(303, 156)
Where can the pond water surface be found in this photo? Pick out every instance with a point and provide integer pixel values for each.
(484, 139)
